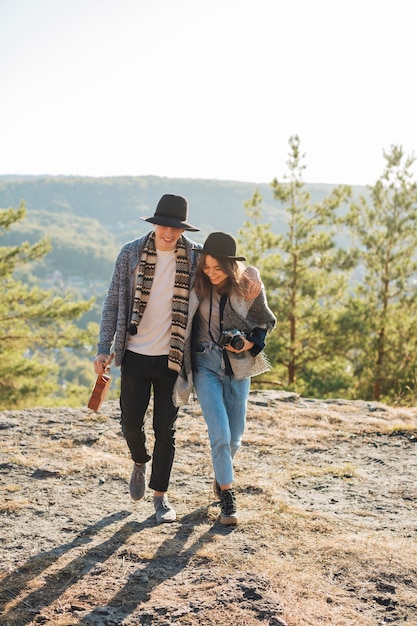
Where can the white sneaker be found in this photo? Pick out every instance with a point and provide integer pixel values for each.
(163, 510)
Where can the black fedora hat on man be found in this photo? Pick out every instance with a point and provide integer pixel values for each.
(221, 245)
(171, 211)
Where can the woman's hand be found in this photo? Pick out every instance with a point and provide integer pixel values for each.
(248, 345)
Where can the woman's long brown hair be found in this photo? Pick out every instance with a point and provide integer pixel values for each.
(236, 280)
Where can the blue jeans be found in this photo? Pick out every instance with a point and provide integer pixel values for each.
(223, 401)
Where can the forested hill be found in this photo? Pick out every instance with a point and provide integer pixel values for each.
(118, 202)
(89, 218)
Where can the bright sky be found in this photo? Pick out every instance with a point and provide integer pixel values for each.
(206, 88)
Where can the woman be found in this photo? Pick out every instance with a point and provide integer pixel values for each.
(223, 349)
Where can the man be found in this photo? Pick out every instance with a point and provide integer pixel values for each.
(145, 315)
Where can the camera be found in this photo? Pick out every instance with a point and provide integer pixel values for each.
(232, 337)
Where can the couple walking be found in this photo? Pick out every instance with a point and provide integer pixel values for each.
(180, 315)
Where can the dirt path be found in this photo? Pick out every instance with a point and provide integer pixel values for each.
(327, 508)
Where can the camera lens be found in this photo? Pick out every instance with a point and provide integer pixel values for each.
(237, 342)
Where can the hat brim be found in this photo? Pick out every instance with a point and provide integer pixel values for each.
(170, 222)
(216, 255)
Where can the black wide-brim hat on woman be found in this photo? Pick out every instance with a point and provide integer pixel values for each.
(221, 245)
(171, 211)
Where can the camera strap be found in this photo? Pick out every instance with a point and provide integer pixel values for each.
(209, 319)
(223, 299)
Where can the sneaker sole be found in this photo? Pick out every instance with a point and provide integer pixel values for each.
(137, 498)
(166, 520)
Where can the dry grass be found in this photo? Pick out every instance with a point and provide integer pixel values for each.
(323, 538)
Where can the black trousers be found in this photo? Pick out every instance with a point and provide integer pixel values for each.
(140, 375)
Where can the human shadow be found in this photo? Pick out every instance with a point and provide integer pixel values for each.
(153, 572)
(15, 583)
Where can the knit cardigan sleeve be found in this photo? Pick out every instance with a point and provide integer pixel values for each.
(255, 319)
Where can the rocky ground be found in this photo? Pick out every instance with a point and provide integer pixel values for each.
(327, 520)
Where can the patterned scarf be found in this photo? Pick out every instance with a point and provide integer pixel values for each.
(179, 301)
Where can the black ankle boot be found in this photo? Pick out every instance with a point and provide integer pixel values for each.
(228, 513)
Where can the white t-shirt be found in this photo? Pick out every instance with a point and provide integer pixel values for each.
(154, 331)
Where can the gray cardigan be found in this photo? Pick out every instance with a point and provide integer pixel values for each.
(118, 304)
(239, 313)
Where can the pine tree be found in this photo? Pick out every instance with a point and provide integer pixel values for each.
(383, 309)
(34, 323)
(304, 278)
(256, 237)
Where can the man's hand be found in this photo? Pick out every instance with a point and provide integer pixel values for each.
(254, 282)
(100, 363)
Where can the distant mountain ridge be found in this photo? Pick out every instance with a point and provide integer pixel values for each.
(119, 202)
(89, 218)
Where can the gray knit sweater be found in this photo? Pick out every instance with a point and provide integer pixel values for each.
(239, 313)
(118, 304)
